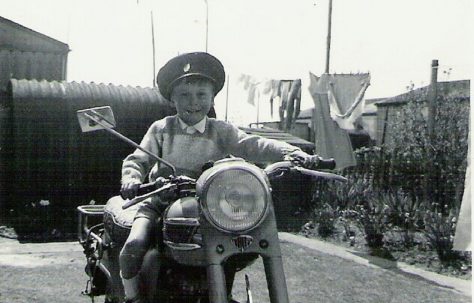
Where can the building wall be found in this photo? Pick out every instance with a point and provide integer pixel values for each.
(31, 65)
(388, 110)
(369, 124)
(386, 115)
(27, 54)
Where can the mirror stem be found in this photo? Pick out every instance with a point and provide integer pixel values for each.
(119, 135)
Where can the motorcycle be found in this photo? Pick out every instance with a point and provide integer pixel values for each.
(211, 228)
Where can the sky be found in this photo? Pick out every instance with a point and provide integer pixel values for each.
(394, 41)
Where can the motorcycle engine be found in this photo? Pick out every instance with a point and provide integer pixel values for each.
(181, 283)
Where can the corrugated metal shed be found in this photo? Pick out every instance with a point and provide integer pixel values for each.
(48, 158)
(27, 54)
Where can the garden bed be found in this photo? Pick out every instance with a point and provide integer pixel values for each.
(420, 254)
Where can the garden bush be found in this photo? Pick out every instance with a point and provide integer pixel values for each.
(439, 231)
(326, 218)
(372, 215)
(387, 189)
(356, 201)
(443, 159)
(405, 213)
(341, 195)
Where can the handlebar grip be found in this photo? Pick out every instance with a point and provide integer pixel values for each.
(327, 164)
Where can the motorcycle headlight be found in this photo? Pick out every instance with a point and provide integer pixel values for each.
(235, 198)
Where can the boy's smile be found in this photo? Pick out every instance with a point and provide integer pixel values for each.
(193, 100)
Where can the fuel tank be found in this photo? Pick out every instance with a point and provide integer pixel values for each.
(181, 232)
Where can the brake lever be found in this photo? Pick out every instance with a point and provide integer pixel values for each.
(175, 183)
(278, 169)
(141, 198)
(320, 174)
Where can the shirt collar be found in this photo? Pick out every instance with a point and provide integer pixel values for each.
(200, 126)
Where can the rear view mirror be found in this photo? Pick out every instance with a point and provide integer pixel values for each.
(96, 118)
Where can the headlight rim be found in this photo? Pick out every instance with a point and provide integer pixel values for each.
(247, 168)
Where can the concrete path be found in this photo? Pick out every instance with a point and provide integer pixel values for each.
(25, 255)
(30, 255)
(462, 286)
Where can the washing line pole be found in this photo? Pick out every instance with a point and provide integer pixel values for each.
(258, 106)
(207, 22)
(328, 40)
(227, 98)
(432, 108)
(153, 48)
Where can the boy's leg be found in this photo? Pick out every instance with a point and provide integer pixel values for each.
(131, 256)
(151, 270)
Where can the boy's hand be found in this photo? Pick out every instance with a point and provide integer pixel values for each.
(305, 160)
(129, 190)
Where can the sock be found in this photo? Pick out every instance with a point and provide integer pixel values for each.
(130, 286)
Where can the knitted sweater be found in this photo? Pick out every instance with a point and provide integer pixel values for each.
(189, 152)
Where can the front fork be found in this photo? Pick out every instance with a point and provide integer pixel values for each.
(217, 283)
(275, 276)
(262, 241)
(276, 281)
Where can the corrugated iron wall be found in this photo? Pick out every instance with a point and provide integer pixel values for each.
(31, 65)
(48, 156)
(5, 142)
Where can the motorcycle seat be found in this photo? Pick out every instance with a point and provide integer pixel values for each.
(118, 221)
(121, 217)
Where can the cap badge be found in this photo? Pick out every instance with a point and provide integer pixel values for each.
(187, 67)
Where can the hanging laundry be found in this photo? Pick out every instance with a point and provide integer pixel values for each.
(462, 236)
(288, 93)
(284, 91)
(331, 141)
(345, 95)
(293, 104)
(245, 79)
(252, 94)
(290, 102)
(274, 93)
(266, 87)
(251, 84)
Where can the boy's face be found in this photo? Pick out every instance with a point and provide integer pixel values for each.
(193, 99)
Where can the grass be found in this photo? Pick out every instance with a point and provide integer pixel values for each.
(318, 277)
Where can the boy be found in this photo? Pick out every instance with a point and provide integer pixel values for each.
(188, 140)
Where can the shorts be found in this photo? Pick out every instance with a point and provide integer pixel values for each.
(151, 209)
